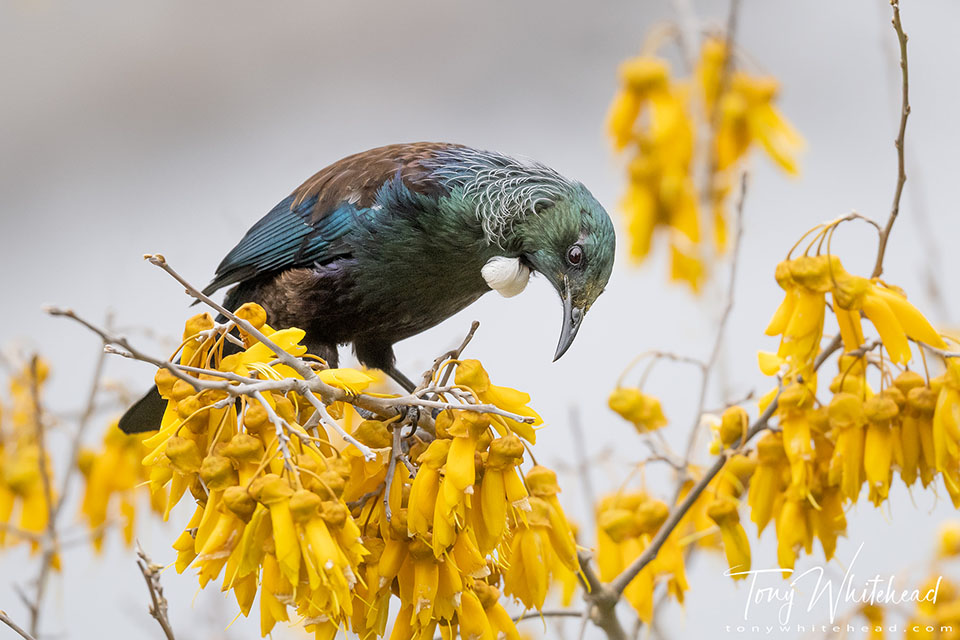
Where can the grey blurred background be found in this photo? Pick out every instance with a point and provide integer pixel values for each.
(171, 127)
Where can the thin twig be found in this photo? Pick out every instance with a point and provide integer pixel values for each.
(52, 545)
(395, 452)
(158, 606)
(536, 615)
(583, 464)
(904, 114)
(724, 319)
(5, 619)
(83, 422)
(453, 354)
(676, 514)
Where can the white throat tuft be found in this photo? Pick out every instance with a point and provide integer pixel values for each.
(506, 276)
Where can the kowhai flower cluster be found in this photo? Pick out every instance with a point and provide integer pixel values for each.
(878, 419)
(26, 476)
(828, 448)
(113, 477)
(331, 532)
(658, 121)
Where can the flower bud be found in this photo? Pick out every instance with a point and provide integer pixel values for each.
(196, 324)
(505, 451)
(164, 379)
(255, 416)
(243, 447)
(651, 515)
(239, 502)
(270, 488)
(217, 472)
(252, 313)
(846, 410)
(333, 513)
(304, 505)
(542, 482)
(184, 455)
(733, 426)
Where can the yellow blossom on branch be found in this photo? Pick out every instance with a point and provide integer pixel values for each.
(657, 121)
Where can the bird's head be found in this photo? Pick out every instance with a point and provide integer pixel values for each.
(570, 240)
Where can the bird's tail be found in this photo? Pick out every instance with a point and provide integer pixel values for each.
(146, 413)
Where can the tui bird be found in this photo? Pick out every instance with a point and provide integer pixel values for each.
(389, 242)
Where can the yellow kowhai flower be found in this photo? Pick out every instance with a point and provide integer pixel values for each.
(799, 318)
(309, 523)
(796, 419)
(471, 374)
(426, 487)
(111, 475)
(655, 118)
(770, 479)
(502, 493)
(731, 429)
(643, 410)
(795, 529)
(948, 539)
(910, 445)
(847, 419)
(748, 115)
(880, 412)
(895, 319)
(946, 419)
(723, 511)
(26, 474)
(539, 543)
(626, 523)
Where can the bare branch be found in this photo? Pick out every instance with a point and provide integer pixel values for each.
(725, 315)
(904, 114)
(5, 619)
(536, 615)
(294, 363)
(676, 514)
(83, 422)
(158, 606)
(453, 354)
(395, 453)
(310, 387)
(51, 547)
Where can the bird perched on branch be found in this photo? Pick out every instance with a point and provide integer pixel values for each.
(389, 242)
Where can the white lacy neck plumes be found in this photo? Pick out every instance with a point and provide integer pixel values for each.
(506, 276)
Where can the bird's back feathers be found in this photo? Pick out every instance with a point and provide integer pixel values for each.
(310, 225)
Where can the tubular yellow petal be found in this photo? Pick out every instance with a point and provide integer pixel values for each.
(770, 363)
(851, 331)
(285, 540)
(473, 619)
(781, 317)
(877, 458)
(910, 318)
(460, 469)
(891, 331)
(493, 501)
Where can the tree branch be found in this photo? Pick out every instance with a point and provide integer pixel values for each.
(904, 114)
(51, 545)
(724, 317)
(5, 619)
(158, 606)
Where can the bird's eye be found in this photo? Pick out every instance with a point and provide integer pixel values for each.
(575, 255)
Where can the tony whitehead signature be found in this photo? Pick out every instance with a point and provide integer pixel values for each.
(875, 590)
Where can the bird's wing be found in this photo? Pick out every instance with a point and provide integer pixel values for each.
(309, 226)
(286, 238)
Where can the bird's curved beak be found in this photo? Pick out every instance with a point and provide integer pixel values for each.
(572, 317)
